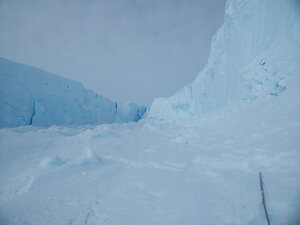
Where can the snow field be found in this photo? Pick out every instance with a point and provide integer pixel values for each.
(156, 173)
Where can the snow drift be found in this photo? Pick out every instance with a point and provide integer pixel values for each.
(30, 96)
(254, 54)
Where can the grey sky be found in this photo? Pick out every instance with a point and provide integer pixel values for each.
(126, 50)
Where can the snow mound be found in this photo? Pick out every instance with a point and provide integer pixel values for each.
(253, 55)
(88, 157)
(30, 96)
(51, 162)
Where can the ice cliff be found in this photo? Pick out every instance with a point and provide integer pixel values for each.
(255, 54)
(30, 96)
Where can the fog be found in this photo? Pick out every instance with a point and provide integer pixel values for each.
(126, 50)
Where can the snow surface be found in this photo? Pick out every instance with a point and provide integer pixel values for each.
(30, 96)
(156, 173)
(195, 160)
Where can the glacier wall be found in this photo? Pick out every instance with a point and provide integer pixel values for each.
(252, 55)
(30, 96)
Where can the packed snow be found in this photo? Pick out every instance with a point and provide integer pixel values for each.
(30, 96)
(156, 173)
(195, 160)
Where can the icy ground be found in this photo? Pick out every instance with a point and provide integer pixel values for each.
(156, 173)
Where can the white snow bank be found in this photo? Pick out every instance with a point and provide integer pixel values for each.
(30, 96)
(253, 54)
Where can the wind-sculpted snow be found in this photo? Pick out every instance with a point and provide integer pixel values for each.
(156, 173)
(254, 54)
(30, 96)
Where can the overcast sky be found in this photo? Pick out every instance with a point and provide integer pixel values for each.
(126, 50)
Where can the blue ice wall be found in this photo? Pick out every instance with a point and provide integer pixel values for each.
(30, 96)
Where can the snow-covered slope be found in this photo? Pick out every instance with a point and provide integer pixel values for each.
(156, 173)
(253, 55)
(30, 96)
